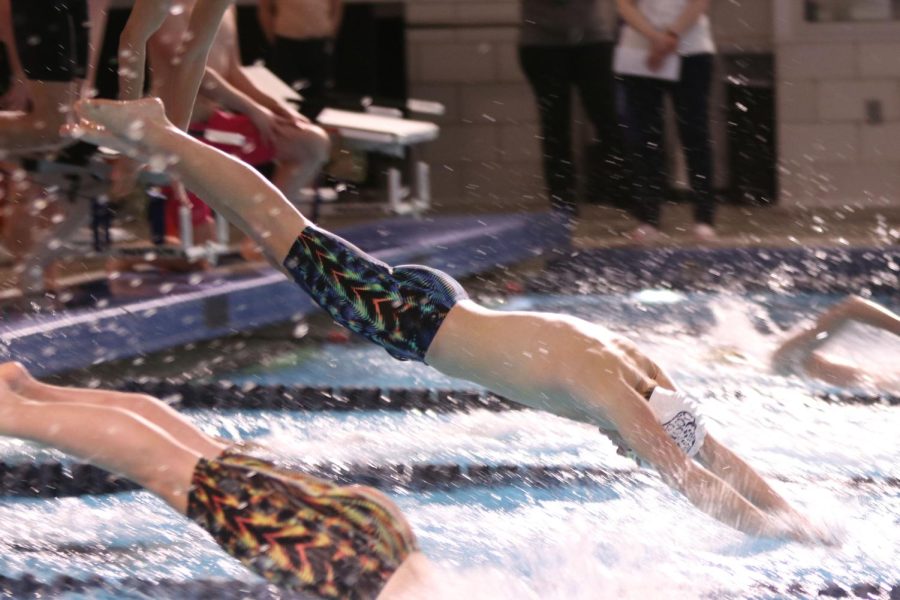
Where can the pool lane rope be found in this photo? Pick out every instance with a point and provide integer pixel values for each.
(30, 586)
(55, 479)
(225, 395)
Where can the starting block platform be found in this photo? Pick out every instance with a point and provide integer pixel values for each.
(373, 131)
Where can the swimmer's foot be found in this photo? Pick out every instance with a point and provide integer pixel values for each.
(123, 119)
(122, 126)
(13, 376)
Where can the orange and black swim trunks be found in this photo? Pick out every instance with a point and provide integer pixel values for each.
(299, 532)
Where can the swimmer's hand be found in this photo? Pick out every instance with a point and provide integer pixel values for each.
(800, 529)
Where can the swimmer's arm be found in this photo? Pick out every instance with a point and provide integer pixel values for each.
(855, 308)
(808, 340)
(829, 371)
(731, 468)
(629, 412)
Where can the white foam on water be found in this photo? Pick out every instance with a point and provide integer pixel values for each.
(629, 539)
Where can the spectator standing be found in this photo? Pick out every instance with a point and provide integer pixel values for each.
(673, 41)
(567, 44)
(302, 34)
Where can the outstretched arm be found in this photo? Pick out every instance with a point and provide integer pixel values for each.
(741, 476)
(806, 341)
(637, 425)
(582, 371)
(869, 313)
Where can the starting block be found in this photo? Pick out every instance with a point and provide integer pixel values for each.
(386, 134)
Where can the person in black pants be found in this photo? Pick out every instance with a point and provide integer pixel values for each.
(47, 45)
(644, 136)
(662, 33)
(565, 45)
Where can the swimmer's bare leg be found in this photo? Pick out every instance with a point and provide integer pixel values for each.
(20, 381)
(301, 152)
(180, 93)
(112, 438)
(145, 19)
(228, 185)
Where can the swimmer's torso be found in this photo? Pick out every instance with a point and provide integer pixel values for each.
(541, 347)
(304, 19)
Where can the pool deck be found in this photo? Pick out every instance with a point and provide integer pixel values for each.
(151, 312)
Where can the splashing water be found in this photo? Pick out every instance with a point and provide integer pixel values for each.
(630, 538)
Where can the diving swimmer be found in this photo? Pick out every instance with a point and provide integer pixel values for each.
(297, 531)
(551, 362)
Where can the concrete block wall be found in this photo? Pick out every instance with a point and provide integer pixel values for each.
(489, 146)
(464, 53)
(839, 122)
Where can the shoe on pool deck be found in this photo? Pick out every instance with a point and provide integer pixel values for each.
(644, 234)
(704, 233)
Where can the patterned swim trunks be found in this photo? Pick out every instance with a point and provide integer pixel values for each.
(297, 531)
(399, 308)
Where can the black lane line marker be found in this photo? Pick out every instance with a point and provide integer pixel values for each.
(54, 479)
(30, 586)
(224, 395)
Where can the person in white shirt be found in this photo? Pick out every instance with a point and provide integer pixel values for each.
(668, 31)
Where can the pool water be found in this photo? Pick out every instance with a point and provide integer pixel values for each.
(630, 538)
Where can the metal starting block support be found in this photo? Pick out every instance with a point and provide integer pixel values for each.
(81, 173)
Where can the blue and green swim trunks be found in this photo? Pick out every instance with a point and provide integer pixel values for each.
(399, 308)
